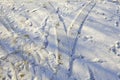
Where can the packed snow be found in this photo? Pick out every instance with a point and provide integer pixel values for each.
(59, 39)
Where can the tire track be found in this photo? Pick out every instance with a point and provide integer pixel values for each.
(75, 30)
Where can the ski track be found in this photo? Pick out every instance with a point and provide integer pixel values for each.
(57, 36)
(78, 32)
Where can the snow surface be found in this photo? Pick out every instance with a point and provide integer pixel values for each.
(59, 39)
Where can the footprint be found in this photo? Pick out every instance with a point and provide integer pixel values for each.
(97, 60)
(116, 48)
(87, 38)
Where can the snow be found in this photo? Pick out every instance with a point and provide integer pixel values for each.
(59, 40)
